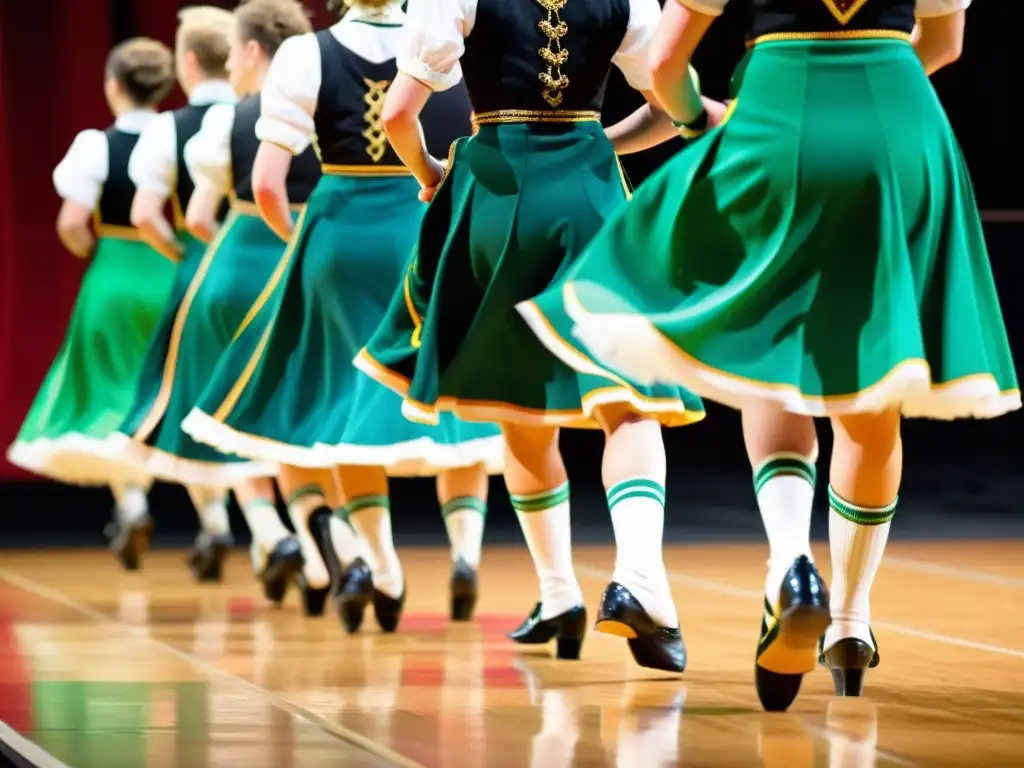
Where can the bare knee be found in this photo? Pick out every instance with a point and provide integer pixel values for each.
(877, 433)
(769, 429)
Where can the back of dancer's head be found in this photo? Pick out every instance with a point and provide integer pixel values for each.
(203, 43)
(340, 6)
(270, 22)
(143, 70)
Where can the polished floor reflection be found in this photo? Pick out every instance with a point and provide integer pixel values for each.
(104, 669)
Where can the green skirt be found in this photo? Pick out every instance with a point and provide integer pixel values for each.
(91, 383)
(519, 204)
(216, 293)
(821, 249)
(290, 393)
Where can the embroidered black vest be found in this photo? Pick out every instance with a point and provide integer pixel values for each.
(115, 204)
(831, 18)
(347, 119)
(532, 55)
(187, 122)
(302, 176)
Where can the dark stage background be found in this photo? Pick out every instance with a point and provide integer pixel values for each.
(962, 479)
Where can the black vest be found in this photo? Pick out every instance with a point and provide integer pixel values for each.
(115, 205)
(516, 43)
(302, 176)
(347, 119)
(187, 122)
(830, 17)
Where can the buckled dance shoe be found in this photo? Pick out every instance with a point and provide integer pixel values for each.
(567, 629)
(652, 646)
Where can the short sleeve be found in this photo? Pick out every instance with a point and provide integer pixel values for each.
(208, 153)
(80, 176)
(289, 95)
(928, 9)
(435, 39)
(707, 7)
(154, 162)
(633, 56)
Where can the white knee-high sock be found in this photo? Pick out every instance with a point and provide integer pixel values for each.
(464, 519)
(857, 537)
(784, 486)
(130, 500)
(301, 506)
(544, 518)
(347, 542)
(370, 515)
(264, 523)
(211, 503)
(634, 479)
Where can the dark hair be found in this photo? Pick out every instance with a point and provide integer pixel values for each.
(271, 22)
(144, 68)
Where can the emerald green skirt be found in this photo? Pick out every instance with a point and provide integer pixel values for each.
(519, 204)
(91, 383)
(289, 393)
(216, 292)
(821, 249)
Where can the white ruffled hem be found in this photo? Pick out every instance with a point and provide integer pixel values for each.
(416, 458)
(77, 459)
(174, 469)
(632, 345)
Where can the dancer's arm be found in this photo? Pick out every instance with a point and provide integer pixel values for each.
(79, 180)
(208, 158)
(286, 127)
(938, 37)
(153, 168)
(435, 40)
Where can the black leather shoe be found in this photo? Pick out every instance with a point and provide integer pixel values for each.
(206, 560)
(787, 648)
(567, 628)
(652, 646)
(353, 594)
(463, 590)
(130, 542)
(848, 661)
(388, 610)
(314, 599)
(283, 563)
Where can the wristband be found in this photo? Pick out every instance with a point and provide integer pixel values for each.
(691, 129)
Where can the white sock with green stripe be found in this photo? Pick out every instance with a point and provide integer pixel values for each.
(637, 508)
(370, 515)
(211, 503)
(302, 503)
(464, 518)
(857, 537)
(544, 518)
(347, 543)
(784, 486)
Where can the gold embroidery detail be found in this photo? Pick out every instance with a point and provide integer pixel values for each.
(364, 170)
(846, 34)
(553, 54)
(376, 138)
(535, 116)
(844, 10)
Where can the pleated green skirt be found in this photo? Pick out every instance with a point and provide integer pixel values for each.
(520, 203)
(217, 289)
(290, 393)
(91, 384)
(822, 249)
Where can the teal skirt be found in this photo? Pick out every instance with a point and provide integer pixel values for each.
(821, 249)
(216, 293)
(90, 385)
(290, 393)
(518, 206)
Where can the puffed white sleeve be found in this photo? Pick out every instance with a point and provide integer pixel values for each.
(929, 9)
(289, 95)
(80, 176)
(633, 56)
(154, 162)
(435, 39)
(208, 153)
(707, 7)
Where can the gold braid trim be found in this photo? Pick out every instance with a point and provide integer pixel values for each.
(376, 138)
(554, 55)
(536, 116)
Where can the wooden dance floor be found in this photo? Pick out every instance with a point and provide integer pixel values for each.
(104, 669)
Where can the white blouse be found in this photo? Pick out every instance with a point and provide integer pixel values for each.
(208, 153)
(924, 8)
(291, 88)
(154, 162)
(80, 176)
(437, 31)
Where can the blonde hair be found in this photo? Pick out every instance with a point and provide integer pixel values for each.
(206, 31)
(271, 22)
(144, 68)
